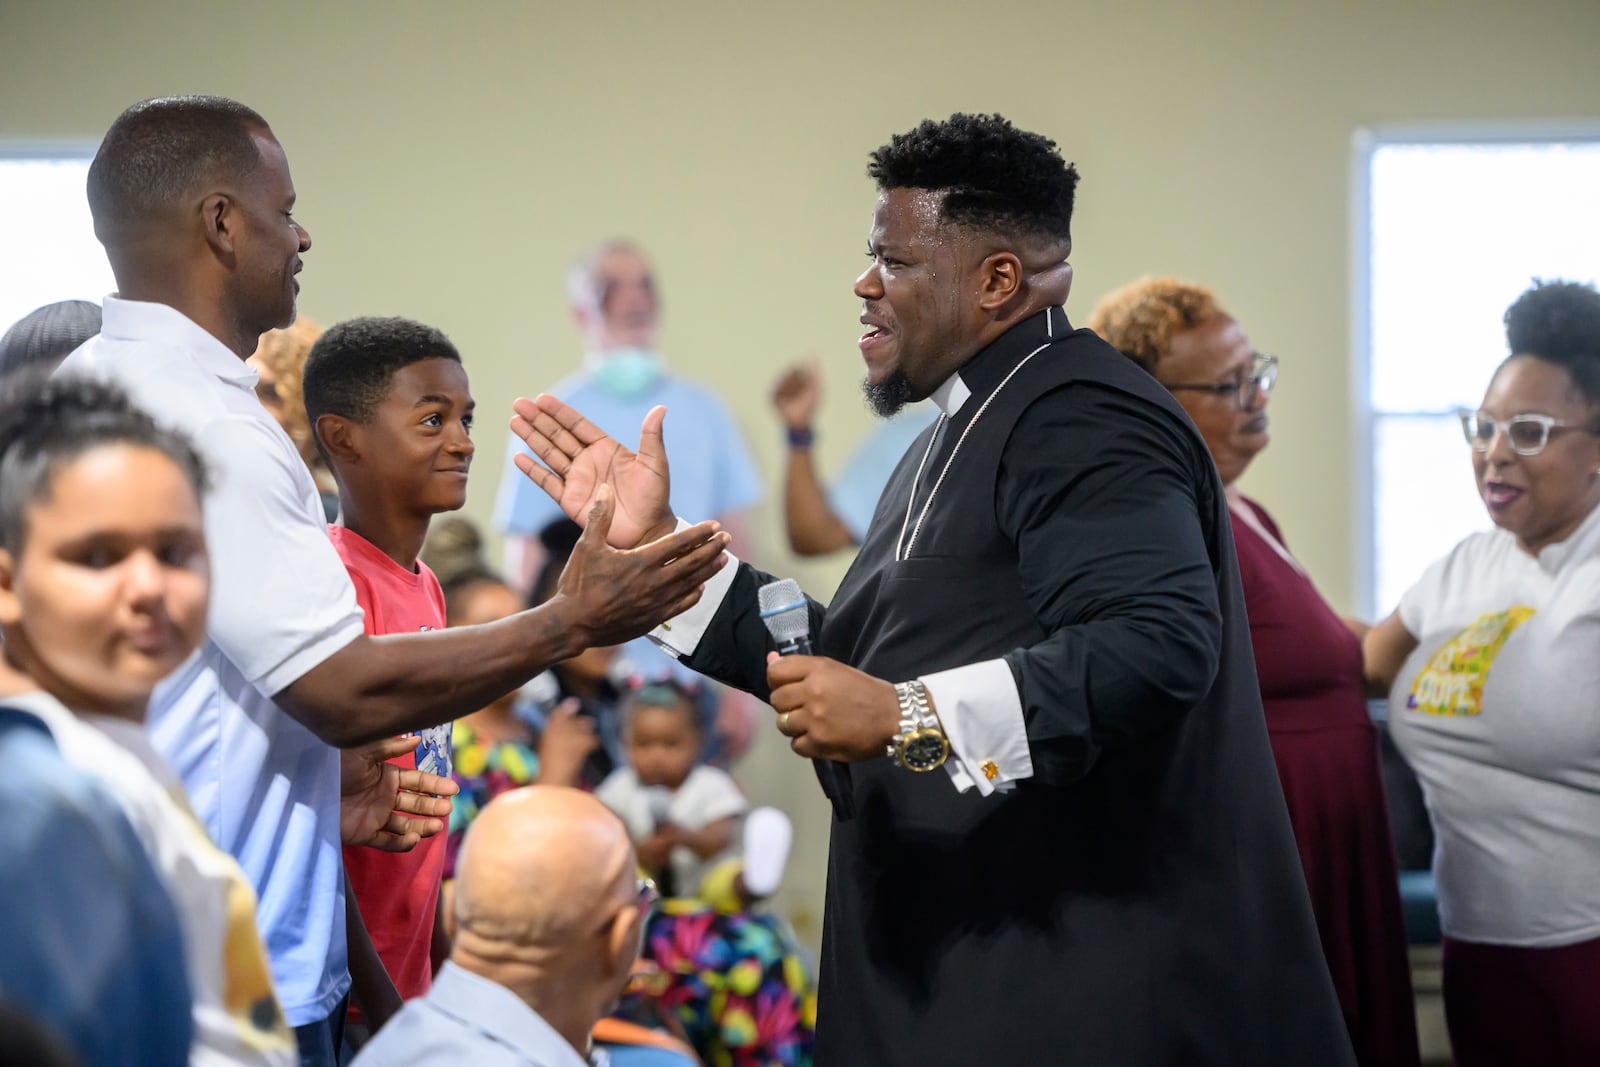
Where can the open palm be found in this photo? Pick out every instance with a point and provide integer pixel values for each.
(385, 806)
(575, 458)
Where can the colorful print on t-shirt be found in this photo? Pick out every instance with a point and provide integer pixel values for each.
(1452, 681)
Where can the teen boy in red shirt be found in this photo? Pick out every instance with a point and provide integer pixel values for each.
(391, 407)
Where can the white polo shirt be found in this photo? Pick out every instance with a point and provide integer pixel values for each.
(264, 787)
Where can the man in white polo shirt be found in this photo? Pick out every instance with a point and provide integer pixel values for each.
(192, 199)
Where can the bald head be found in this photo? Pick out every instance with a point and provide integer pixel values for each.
(542, 869)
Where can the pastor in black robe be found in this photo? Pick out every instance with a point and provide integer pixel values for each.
(1138, 899)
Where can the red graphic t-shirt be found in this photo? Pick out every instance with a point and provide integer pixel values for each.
(398, 891)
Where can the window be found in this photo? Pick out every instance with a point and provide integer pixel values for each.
(1449, 231)
(51, 251)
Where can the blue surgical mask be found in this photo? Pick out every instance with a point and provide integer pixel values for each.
(628, 373)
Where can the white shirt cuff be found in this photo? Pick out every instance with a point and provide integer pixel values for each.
(681, 634)
(981, 712)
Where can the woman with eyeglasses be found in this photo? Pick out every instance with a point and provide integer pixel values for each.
(1492, 668)
(1308, 662)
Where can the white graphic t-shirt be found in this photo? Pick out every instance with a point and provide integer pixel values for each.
(1498, 712)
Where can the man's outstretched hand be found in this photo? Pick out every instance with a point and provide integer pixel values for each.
(607, 595)
(388, 807)
(575, 459)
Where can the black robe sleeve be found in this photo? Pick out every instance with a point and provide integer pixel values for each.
(1115, 563)
(734, 647)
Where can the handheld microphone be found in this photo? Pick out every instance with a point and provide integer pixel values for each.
(785, 615)
(783, 612)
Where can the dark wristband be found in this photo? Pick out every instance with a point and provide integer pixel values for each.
(799, 436)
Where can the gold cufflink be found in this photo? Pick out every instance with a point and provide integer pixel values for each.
(990, 771)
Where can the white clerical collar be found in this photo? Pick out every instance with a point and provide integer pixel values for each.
(951, 395)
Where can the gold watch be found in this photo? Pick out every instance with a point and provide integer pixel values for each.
(921, 744)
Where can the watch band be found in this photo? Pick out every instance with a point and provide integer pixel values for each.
(916, 713)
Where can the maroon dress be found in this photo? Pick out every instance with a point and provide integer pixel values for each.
(1326, 749)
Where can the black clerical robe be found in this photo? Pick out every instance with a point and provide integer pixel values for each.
(1138, 900)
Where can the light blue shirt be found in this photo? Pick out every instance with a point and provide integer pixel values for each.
(856, 491)
(467, 1019)
(713, 472)
(265, 787)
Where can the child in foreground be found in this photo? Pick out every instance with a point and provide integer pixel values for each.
(104, 582)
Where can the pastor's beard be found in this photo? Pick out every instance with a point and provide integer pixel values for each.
(887, 397)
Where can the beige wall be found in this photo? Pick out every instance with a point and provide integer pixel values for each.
(452, 157)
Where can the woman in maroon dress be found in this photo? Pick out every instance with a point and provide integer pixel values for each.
(1308, 662)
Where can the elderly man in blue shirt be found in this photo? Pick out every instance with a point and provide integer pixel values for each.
(549, 920)
(612, 291)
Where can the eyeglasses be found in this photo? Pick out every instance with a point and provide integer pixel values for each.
(1527, 433)
(648, 896)
(1245, 391)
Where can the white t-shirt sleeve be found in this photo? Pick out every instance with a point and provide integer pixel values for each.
(707, 795)
(281, 599)
(1424, 595)
(620, 791)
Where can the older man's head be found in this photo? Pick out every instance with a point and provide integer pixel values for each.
(547, 901)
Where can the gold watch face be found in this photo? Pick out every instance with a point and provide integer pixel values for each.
(924, 750)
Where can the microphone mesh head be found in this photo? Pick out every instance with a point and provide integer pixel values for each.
(783, 610)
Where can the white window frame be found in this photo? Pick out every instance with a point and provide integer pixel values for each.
(1365, 143)
(48, 149)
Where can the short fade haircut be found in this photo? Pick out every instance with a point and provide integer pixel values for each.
(351, 365)
(1559, 322)
(46, 423)
(160, 152)
(995, 177)
(1140, 319)
(46, 336)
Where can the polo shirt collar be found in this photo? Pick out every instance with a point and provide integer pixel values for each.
(490, 1007)
(140, 320)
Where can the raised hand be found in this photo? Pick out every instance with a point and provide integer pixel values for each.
(567, 740)
(385, 806)
(607, 595)
(797, 394)
(575, 459)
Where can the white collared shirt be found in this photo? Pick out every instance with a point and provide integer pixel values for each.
(265, 788)
(978, 704)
